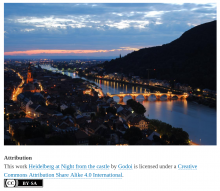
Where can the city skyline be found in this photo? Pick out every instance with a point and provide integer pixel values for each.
(96, 30)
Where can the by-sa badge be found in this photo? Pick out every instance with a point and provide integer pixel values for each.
(10, 183)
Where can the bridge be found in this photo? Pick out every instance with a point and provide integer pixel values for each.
(158, 95)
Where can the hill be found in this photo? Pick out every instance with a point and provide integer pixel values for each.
(189, 59)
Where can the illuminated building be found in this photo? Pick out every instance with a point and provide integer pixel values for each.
(29, 86)
(29, 75)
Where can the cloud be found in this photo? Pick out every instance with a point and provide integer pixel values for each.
(27, 30)
(127, 24)
(79, 22)
(130, 48)
(154, 14)
(100, 16)
(99, 26)
(37, 52)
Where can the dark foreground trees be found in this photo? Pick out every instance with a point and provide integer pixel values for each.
(97, 140)
(133, 135)
(169, 135)
(136, 106)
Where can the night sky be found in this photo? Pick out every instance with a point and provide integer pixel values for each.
(96, 30)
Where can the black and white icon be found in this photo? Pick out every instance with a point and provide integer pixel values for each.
(10, 183)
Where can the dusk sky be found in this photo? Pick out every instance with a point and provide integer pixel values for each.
(96, 30)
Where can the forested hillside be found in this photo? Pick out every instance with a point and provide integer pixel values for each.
(189, 59)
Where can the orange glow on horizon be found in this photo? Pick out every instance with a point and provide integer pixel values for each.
(33, 52)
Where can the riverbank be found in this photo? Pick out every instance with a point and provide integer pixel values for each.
(150, 88)
(210, 102)
(203, 101)
(194, 144)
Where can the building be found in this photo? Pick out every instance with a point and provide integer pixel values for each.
(86, 110)
(18, 123)
(30, 86)
(30, 78)
(24, 102)
(27, 98)
(138, 121)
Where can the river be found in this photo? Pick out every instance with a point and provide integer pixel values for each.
(197, 120)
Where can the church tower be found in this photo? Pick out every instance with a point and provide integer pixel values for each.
(29, 74)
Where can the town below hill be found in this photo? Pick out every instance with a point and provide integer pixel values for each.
(46, 108)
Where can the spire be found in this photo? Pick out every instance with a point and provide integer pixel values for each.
(29, 66)
(29, 74)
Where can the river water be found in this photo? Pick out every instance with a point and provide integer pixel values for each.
(197, 120)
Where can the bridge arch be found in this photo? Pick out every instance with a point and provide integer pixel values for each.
(117, 98)
(163, 97)
(152, 97)
(140, 97)
(127, 97)
(174, 97)
(147, 96)
(180, 96)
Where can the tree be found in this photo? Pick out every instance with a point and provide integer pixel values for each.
(164, 138)
(22, 114)
(58, 108)
(34, 74)
(97, 140)
(69, 111)
(156, 138)
(17, 115)
(151, 127)
(111, 110)
(179, 137)
(11, 116)
(93, 117)
(29, 132)
(133, 135)
(136, 106)
(42, 103)
(5, 117)
(172, 135)
(9, 142)
(54, 140)
(66, 139)
(101, 112)
(18, 135)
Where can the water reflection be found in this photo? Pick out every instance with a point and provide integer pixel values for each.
(169, 105)
(152, 98)
(185, 106)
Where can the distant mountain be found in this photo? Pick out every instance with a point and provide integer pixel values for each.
(60, 57)
(189, 59)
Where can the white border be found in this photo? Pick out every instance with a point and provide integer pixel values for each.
(205, 157)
